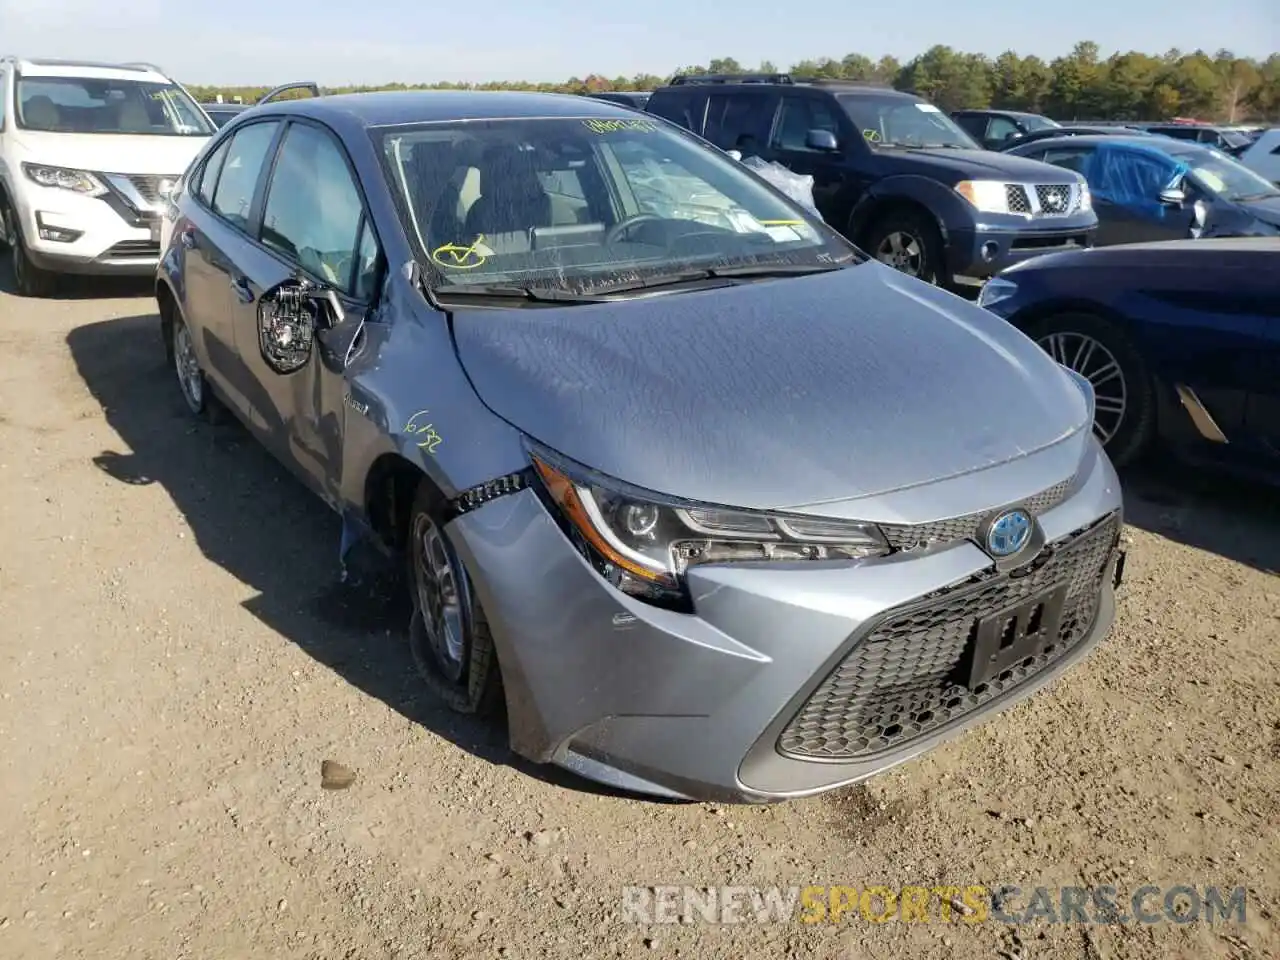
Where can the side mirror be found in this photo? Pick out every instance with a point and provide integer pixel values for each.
(1173, 196)
(823, 140)
(288, 316)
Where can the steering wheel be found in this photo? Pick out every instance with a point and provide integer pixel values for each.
(622, 227)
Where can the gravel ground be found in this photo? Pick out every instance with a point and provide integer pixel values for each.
(178, 661)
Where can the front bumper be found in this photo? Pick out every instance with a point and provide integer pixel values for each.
(976, 255)
(707, 706)
(110, 237)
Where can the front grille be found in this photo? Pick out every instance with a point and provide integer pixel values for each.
(906, 678)
(133, 248)
(1016, 197)
(149, 185)
(1056, 199)
(910, 536)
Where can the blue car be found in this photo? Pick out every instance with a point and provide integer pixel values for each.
(1156, 188)
(712, 503)
(1181, 341)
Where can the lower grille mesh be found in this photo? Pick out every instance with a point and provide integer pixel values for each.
(905, 679)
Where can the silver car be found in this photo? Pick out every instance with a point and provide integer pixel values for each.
(715, 506)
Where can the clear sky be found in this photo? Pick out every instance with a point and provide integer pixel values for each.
(340, 41)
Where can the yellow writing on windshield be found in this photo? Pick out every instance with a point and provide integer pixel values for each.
(615, 126)
(454, 256)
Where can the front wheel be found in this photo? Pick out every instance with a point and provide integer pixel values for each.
(1095, 348)
(449, 634)
(30, 280)
(909, 242)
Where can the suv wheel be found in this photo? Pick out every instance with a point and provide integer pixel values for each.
(449, 634)
(1124, 418)
(908, 242)
(30, 280)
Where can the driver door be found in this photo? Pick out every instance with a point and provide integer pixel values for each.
(313, 227)
(833, 178)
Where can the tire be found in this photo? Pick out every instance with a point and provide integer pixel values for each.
(453, 651)
(908, 241)
(1066, 337)
(28, 279)
(192, 383)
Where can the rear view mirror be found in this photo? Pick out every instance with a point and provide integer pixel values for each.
(288, 316)
(1173, 196)
(823, 140)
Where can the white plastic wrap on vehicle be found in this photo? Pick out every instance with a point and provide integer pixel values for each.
(799, 187)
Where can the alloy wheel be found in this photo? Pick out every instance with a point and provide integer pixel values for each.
(903, 252)
(442, 595)
(187, 366)
(1089, 358)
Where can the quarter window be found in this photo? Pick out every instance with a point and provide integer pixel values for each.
(313, 213)
(209, 173)
(233, 195)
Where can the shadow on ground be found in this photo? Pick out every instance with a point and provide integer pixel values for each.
(81, 288)
(1234, 518)
(252, 518)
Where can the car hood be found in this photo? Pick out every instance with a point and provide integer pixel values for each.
(110, 153)
(957, 165)
(773, 394)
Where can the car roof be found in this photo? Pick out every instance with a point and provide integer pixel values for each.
(89, 70)
(394, 107)
(1164, 145)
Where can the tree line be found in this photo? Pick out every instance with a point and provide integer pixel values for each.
(1079, 86)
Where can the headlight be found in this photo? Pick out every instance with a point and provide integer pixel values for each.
(995, 290)
(78, 181)
(643, 543)
(1086, 197)
(989, 196)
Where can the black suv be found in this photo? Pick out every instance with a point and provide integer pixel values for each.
(891, 171)
(996, 128)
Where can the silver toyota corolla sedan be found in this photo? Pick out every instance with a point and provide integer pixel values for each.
(713, 505)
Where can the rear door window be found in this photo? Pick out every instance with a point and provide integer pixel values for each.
(233, 196)
(974, 124)
(739, 121)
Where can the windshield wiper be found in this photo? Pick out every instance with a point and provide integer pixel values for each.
(1246, 197)
(740, 271)
(502, 292)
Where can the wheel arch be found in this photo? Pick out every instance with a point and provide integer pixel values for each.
(873, 210)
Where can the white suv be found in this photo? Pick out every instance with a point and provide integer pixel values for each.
(88, 155)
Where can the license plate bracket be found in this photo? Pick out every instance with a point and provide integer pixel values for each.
(1015, 633)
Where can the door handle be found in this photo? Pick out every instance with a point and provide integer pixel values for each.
(244, 292)
(188, 238)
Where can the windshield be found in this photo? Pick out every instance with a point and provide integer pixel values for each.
(900, 122)
(1224, 177)
(577, 204)
(92, 105)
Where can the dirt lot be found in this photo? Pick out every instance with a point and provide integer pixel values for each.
(178, 661)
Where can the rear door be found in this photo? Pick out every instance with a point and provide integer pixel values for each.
(215, 239)
(313, 224)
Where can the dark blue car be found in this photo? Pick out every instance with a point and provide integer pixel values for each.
(1181, 341)
(891, 171)
(1156, 188)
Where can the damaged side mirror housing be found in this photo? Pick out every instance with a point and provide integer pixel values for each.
(289, 314)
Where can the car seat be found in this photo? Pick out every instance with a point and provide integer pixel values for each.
(511, 196)
(41, 113)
